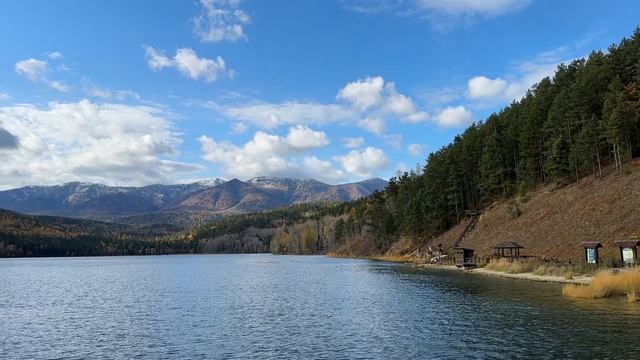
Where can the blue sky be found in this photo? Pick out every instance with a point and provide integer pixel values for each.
(140, 92)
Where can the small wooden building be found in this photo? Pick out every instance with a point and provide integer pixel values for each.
(591, 251)
(508, 249)
(464, 257)
(628, 251)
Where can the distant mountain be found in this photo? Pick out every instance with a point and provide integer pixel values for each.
(209, 197)
(87, 199)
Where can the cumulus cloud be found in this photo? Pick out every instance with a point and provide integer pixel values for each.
(363, 94)
(271, 155)
(37, 71)
(220, 20)
(482, 87)
(517, 80)
(416, 149)
(454, 116)
(187, 62)
(373, 125)
(375, 97)
(364, 163)
(353, 142)
(84, 141)
(4, 96)
(368, 103)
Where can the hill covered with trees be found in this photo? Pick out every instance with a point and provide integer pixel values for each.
(583, 121)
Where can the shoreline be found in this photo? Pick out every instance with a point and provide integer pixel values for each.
(577, 280)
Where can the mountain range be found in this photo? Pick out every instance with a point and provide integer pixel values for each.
(216, 196)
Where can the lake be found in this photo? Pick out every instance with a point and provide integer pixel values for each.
(293, 307)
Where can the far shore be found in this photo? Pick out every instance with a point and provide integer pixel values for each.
(578, 279)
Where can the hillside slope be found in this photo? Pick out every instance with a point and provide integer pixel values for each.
(553, 222)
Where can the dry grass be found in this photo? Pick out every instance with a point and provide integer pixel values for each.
(607, 283)
(510, 267)
(537, 268)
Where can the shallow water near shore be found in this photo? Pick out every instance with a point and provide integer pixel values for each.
(293, 307)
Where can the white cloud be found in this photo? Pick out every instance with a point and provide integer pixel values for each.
(364, 163)
(368, 103)
(36, 71)
(302, 137)
(441, 13)
(454, 116)
(374, 125)
(84, 141)
(416, 149)
(220, 20)
(94, 90)
(353, 142)
(517, 80)
(482, 87)
(271, 155)
(394, 140)
(373, 97)
(273, 115)
(469, 8)
(32, 69)
(363, 94)
(188, 63)
(60, 86)
(322, 170)
(4, 96)
(239, 128)
(54, 55)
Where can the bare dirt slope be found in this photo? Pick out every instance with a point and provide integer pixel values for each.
(554, 221)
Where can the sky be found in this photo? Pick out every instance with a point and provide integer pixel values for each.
(142, 92)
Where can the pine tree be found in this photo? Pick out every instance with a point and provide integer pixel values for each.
(491, 169)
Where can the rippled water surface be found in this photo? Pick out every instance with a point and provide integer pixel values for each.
(287, 307)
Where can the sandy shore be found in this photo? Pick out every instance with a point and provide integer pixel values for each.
(582, 279)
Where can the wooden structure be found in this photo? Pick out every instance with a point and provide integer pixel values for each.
(591, 251)
(508, 249)
(628, 251)
(463, 257)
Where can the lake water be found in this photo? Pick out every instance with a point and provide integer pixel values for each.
(293, 307)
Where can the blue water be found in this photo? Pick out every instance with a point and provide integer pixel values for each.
(288, 307)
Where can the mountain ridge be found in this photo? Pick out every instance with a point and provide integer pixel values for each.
(216, 196)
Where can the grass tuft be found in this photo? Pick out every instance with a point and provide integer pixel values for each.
(607, 283)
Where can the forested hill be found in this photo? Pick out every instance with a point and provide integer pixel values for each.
(30, 235)
(584, 121)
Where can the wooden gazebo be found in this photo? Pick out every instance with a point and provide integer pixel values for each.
(628, 251)
(508, 249)
(591, 251)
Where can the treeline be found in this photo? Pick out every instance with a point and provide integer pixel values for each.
(27, 235)
(251, 233)
(582, 121)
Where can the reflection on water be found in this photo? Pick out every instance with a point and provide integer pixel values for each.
(264, 306)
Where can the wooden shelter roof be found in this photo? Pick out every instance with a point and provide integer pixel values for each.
(591, 244)
(628, 243)
(508, 245)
